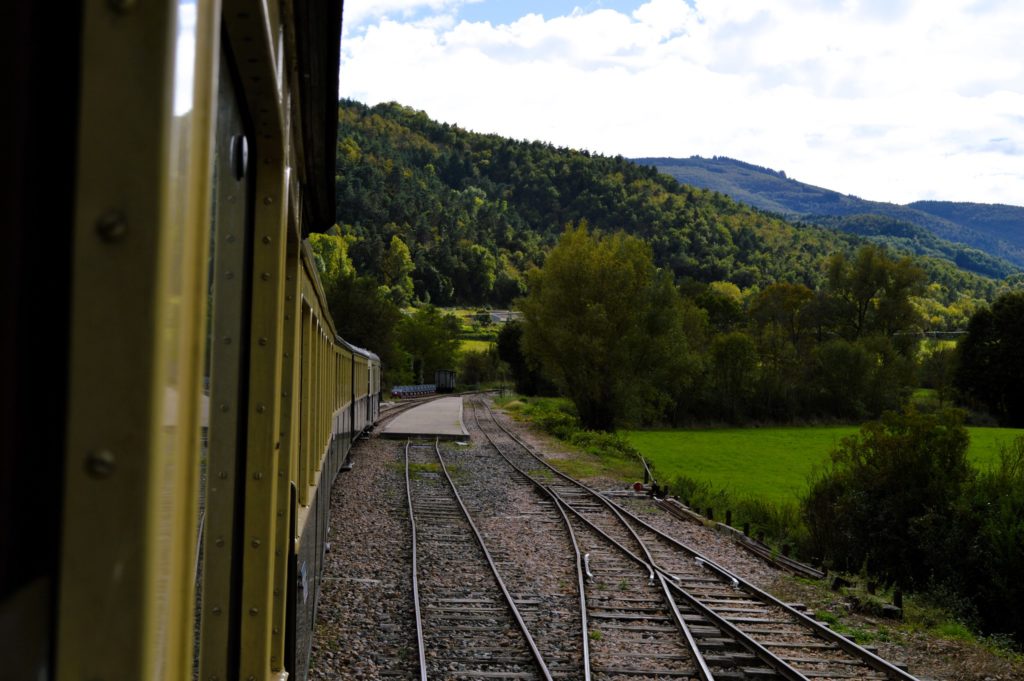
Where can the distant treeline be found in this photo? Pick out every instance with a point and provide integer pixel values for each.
(607, 328)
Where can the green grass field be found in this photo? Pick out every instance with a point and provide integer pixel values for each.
(474, 345)
(769, 463)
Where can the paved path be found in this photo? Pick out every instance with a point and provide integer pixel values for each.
(441, 418)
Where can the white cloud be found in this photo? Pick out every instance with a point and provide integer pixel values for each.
(667, 17)
(358, 12)
(887, 101)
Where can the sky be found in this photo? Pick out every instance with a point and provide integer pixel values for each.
(889, 100)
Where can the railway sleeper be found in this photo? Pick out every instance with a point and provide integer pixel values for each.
(757, 620)
(734, 659)
(631, 616)
(490, 660)
(646, 673)
(467, 674)
(644, 629)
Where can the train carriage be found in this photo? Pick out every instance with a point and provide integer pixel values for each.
(168, 326)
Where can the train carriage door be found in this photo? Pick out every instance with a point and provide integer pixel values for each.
(223, 466)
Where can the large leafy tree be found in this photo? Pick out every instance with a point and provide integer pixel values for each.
(397, 270)
(529, 380)
(330, 252)
(871, 294)
(431, 339)
(365, 315)
(991, 368)
(605, 325)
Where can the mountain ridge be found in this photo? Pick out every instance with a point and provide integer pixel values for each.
(996, 230)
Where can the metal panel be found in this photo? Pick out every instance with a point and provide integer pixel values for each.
(128, 546)
(229, 340)
(287, 465)
(306, 423)
(251, 31)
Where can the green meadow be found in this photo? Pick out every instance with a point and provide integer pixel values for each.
(772, 464)
(471, 345)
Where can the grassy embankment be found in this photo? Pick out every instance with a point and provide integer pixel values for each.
(770, 463)
(602, 454)
(729, 469)
(760, 474)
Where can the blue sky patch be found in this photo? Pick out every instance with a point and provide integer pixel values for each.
(505, 12)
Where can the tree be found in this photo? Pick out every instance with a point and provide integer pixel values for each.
(396, 269)
(991, 371)
(431, 339)
(938, 369)
(840, 377)
(872, 294)
(991, 522)
(528, 379)
(365, 315)
(605, 326)
(779, 372)
(723, 301)
(734, 362)
(475, 273)
(781, 304)
(330, 252)
(480, 366)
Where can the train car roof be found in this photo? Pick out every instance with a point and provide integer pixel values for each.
(317, 44)
(363, 352)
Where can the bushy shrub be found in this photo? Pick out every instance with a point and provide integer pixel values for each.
(887, 499)
(557, 416)
(603, 444)
(988, 551)
(553, 415)
(781, 523)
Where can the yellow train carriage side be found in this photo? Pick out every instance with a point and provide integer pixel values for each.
(176, 339)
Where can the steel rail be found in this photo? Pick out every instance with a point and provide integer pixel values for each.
(580, 558)
(677, 510)
(421, 644)
(702, 668)
(870, 659)
(541, 664)
(752, 646)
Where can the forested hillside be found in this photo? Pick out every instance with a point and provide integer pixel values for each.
(1002, 223)
(475, 212)
(984, 238)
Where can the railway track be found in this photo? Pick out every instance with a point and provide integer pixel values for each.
(785, 642)
(468, 625)
(637, 629)
(529, 538)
